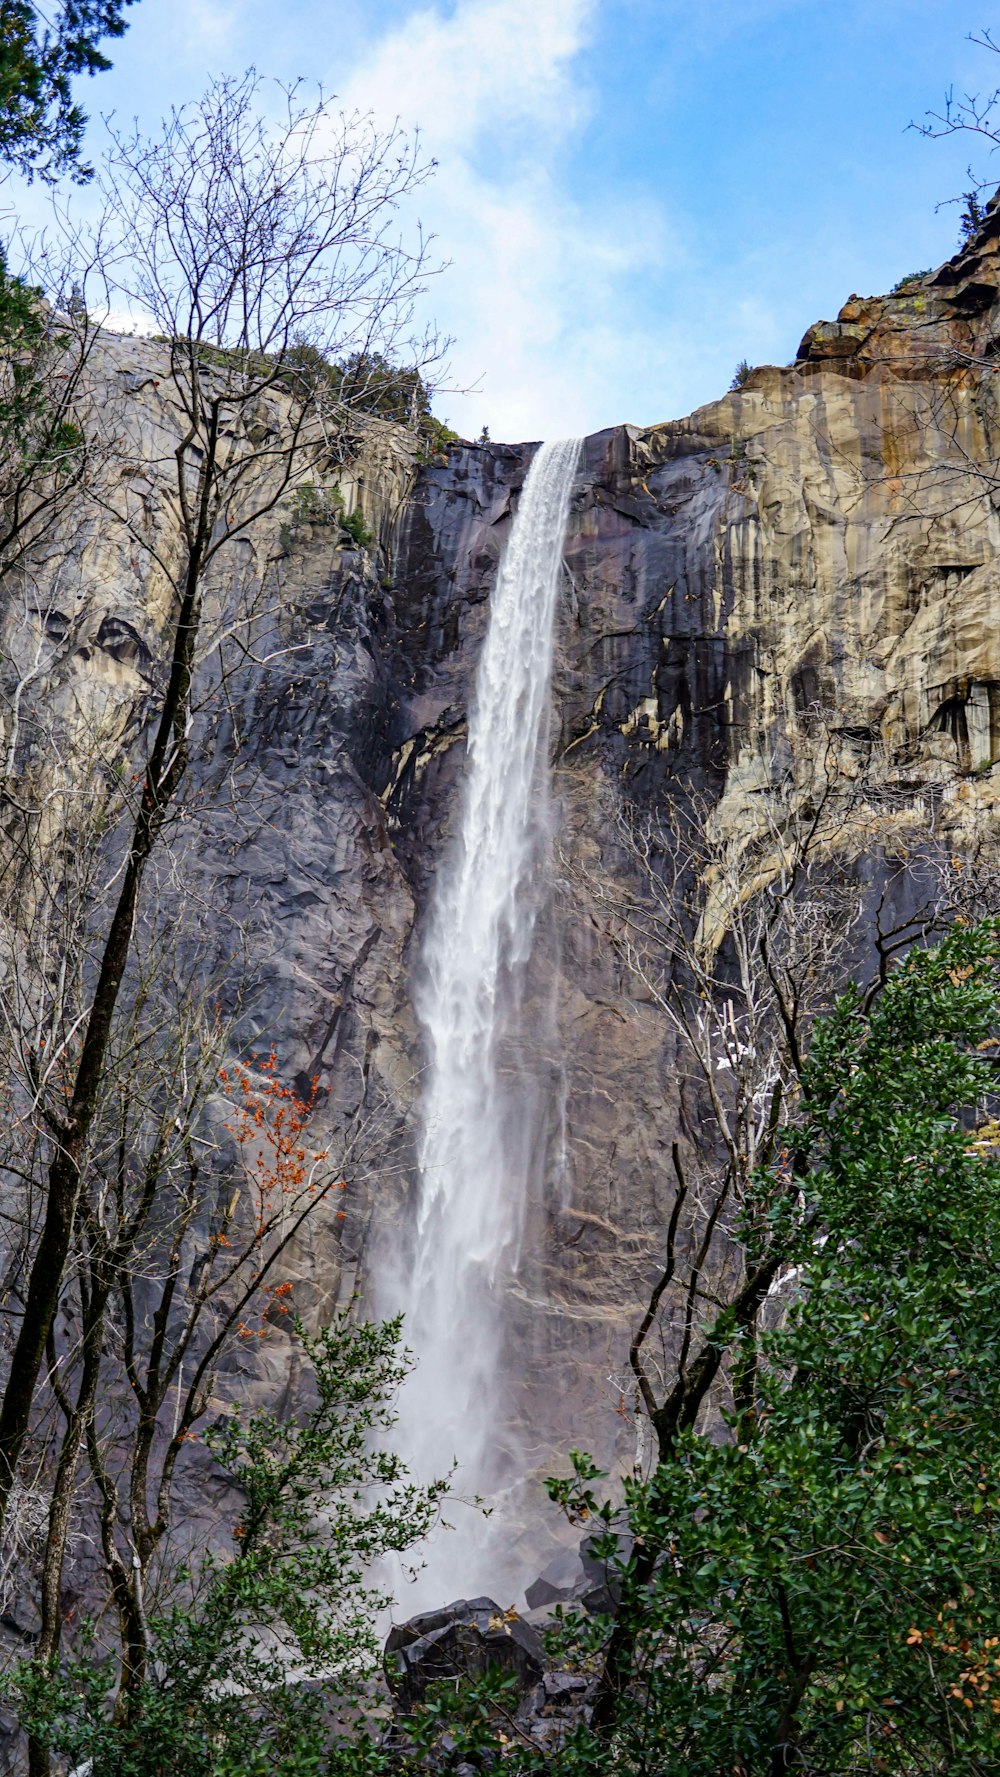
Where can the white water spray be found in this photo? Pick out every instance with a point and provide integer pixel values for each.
(480, 1139)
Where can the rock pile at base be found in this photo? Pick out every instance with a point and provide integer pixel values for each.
(463, 1640)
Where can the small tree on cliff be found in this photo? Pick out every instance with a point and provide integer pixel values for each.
(242, 243)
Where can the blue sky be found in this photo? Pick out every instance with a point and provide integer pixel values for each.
(633, 194)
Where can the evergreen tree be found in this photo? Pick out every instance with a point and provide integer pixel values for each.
(41, 127)
(972, 218)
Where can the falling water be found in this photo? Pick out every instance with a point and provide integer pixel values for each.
(480, 1140)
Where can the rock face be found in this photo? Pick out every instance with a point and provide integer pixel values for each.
(804, 571)
(799, 579)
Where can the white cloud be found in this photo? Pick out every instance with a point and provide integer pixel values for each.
(490, 65)
(540, 276)
(206, 27)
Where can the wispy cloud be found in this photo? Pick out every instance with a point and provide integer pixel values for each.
(487, 66)
(539, 277)
(196, 29)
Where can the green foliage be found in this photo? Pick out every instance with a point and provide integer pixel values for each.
(362, 384)
(912, 277)
(826, 1594)
(369, 381)
(972, 218)
(741, 374)
(366, 383)
(38, 439)
(22, 338)
(321, 505)
(310, 504)
(41, 129)
(743, 473)
(356, 528)
(439, 435)
(322, 1499)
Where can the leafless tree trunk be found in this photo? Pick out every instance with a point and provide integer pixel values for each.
(260, 254)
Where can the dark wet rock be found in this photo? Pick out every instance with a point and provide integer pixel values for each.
(560, 1582)
(560, 1686)
(582, 1577)
(603, 1572)
(460, 1641)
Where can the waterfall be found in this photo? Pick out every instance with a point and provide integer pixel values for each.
(482, 1124)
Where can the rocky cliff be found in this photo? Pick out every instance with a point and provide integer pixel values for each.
(796, 585)
(792, 594)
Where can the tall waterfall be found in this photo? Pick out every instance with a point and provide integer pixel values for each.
(480, 1122)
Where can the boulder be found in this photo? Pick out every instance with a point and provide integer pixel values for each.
(563, 1581)
(579, 1576)
(460, 1641)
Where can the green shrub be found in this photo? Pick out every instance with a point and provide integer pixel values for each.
(912, 277)
(314, 505)
(972, 218)
(438, 434)
(817, 1590)
(322, 1500)
(356, 528)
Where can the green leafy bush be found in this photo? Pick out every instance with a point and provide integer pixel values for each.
(912, 277)
(827, 1579)
(356, 528)
(818, 1590)
(439, 435)
(287, 1599)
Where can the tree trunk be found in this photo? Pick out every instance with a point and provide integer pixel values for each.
(164, 771)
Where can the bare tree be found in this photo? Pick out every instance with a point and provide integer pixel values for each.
(202, 1175)
(262, 254)
(975, 115)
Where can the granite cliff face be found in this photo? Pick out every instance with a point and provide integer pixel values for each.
(793, 589)
(799, 580)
